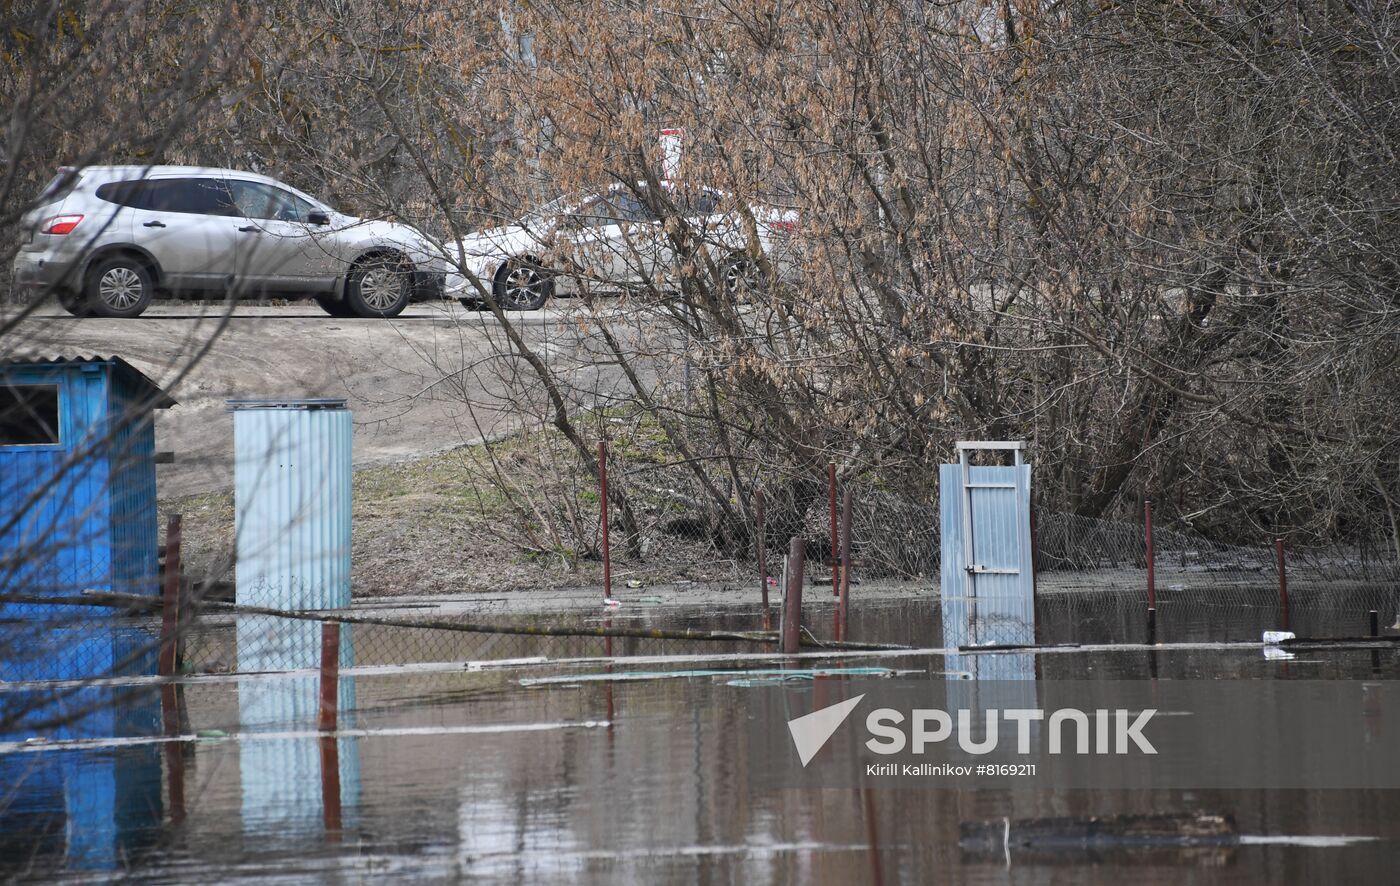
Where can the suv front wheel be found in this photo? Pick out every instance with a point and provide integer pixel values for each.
(379, 286)
(119, 287)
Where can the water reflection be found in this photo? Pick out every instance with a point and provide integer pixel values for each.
(297, 786)
(669, 792)
(80, 811)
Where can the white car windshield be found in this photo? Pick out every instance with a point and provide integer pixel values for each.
(552, 210)
(613, 206)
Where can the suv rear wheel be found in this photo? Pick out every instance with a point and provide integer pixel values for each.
(336, 307)
(379, 286)
(74, 303)
(118, 287)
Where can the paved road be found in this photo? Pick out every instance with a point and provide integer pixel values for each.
(429, 380)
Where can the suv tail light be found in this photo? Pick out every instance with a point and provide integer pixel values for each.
(783, 227)
(60, 224)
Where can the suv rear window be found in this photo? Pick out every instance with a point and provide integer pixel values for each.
(196, 196)
(60, 186)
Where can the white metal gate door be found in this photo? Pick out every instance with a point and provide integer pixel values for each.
(987, 582)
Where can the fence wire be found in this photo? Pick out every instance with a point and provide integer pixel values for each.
(692, 568)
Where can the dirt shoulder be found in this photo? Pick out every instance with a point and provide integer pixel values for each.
(421, 383)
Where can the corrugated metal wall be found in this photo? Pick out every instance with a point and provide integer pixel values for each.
(292, 503)
(134, 522)
(55, 498)
(1001, 607)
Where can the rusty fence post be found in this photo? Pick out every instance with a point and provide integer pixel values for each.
(792, 598)
(330, 788)
(760, 542)
(330, 675)
(326, 725)
(1282, 585)
(603, 492)
(844, 607)
(831, 499)
(1151, 560)
(174, 750)
(1035, 553)
(170, 600)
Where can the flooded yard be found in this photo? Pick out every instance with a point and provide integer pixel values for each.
(559, 764)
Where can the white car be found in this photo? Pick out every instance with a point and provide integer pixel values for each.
(611, 240)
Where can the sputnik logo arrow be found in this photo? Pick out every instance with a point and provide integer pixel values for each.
(811, 731)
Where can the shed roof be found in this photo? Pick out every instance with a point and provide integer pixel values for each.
(150, 391)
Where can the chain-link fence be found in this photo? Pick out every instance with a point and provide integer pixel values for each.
(685, 578)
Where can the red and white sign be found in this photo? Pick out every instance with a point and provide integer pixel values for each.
(671, 141)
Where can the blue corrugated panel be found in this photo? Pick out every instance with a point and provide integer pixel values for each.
(135, 531)
(292, 503)
(80, 514)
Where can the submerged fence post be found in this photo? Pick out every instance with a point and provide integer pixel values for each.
(326, 725)
(1151, 566)
(843, 608)
(170, 600)
(330, 788)
(792, 598)
(1282, 585)
(174, 750)
(831, 498)
(330, 675)
(761, 544)
(603, 487)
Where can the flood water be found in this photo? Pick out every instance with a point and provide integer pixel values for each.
(493, 775)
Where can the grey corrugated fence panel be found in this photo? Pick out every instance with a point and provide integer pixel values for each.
(292, 504)
(1001, 608)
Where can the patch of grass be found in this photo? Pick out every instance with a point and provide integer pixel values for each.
(478, 518)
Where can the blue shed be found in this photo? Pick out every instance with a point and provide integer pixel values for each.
(77, 478)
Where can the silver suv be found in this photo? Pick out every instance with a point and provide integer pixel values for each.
(108, 239)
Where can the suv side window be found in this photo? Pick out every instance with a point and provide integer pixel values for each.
(260, 200)
(194, 196)
(134, 194)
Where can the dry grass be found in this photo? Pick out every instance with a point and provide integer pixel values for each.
(520, 515)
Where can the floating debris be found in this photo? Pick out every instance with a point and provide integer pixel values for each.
(783, 673)
(1071, 838)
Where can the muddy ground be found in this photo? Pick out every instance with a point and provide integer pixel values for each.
(427, 381)
(435, 381)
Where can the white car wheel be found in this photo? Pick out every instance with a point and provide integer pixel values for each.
(521, 285)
